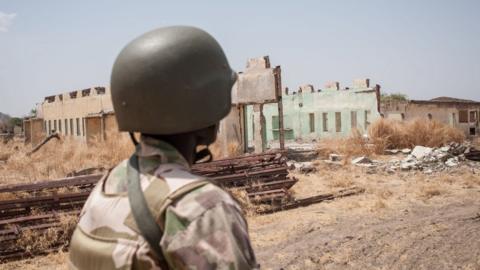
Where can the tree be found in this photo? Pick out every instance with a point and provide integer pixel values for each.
(393, 97)
(15, 121)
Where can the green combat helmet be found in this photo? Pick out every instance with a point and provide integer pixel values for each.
(171, 80)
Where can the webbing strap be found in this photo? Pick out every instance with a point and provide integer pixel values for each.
(141, 213)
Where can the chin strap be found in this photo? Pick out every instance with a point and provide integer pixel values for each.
(134, 140)
(203, 156)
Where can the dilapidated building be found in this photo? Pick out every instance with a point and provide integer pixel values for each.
(83, 115)
(310, 114)
(458, 113)
(261, 112)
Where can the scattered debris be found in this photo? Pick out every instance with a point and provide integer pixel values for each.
(473, 155)
(362, 160)
(311, 200)
(420, 152)
(335, 157)
(431, 160)
(392, 151)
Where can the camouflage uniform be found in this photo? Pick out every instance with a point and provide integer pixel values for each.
(204, 229)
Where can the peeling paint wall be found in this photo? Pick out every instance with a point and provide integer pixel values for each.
(461, 115)
(33, 129)
(66, 113)
(230, 135)
(311, 115)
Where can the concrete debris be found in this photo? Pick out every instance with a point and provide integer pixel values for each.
(335, 157)
(420, 152)
(404, 151)
(392, 151)
(305, 167)
(362, 160)
(430, 160)
(452, 162)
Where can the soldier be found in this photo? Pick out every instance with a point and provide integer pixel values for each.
(173, 86)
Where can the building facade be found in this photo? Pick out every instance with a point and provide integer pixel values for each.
(311, 114)
(73, 115)
(458, 113)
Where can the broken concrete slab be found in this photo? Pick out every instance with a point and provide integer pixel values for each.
(392, 151)
(452, 162)
(362, 160)
(420, 152)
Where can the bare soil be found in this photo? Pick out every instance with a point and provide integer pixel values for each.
(406, 220)
(403, 221)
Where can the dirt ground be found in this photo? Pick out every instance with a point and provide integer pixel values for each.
(406, 220)
(402, 221)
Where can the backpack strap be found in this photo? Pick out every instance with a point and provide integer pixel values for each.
(141, 213)
(146, 222)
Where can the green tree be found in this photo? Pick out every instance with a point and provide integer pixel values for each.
(15, 121)
(393, 97)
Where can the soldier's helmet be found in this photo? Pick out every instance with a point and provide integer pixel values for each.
(171, 80)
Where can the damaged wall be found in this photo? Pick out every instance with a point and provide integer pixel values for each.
(310, 114)
(66, 113)
(457, 113)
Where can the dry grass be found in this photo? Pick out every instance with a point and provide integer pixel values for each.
(58, 158)
(392, 134)
(35, 242)
(356, 144)
(241, 196)
(53, 261)
(431, 190)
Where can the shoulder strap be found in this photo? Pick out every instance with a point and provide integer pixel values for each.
(141, 213)
(146, 223)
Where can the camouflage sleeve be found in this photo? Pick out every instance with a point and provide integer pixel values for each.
(206, 230)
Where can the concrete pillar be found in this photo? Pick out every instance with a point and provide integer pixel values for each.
(259, 130)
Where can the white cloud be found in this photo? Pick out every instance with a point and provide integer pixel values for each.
(6, 21)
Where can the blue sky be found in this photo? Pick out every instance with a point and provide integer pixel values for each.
(424, 49)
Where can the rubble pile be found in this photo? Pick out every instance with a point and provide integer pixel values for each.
(426, 159)
(430, 160)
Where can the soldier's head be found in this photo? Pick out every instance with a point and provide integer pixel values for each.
(172, 82)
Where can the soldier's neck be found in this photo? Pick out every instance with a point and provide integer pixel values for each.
(184, 143)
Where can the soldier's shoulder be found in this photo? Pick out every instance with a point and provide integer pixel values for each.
(120, 170)
(202, 199)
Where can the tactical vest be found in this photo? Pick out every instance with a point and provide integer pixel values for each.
(122, 238)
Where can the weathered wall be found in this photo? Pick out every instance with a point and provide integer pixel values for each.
(257, 84)
(93, 128)
(304, 114)
(99, 127)
(445, 112)
(65, 113)
(33, 130)
(230, 136)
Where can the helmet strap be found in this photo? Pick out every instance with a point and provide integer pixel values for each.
(203, 156)
(134, 140)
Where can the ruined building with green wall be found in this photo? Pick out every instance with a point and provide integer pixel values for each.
(311, 114)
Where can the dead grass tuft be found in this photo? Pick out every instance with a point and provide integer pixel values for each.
(58, 158)
(431, 190)
(55, 238)
(390, 134)
(356, 144)
(340, 182)
(242, 198)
